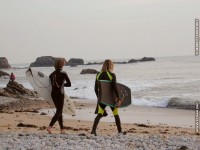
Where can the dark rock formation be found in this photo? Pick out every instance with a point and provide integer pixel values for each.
(2, 73)
(45, 61)
(118, 62)
(4, 63)
(124, 62)
(100, 63)
(181, 103)
(94, 63)
(75, 62)
(141, 60)
(89, 71)
(13, 89)
(132, 61)
(147, 59)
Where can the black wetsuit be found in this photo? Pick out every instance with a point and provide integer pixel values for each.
(101, 107)
(104, 76)
(58, 78)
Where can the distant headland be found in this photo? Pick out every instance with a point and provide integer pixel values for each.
(48, 61)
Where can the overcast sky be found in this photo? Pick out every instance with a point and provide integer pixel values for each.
(96, 29)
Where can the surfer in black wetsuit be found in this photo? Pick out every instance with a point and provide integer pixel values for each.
(58, 78)
(106, 74)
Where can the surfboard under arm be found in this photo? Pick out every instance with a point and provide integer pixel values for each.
(107, 96)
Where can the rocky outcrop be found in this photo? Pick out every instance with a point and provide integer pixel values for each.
(4, 63)
(141, 60)
(100, 63)
(94, 63)
(75, 62)
(89, 71)
(132, 61)
(124, 62)
(45, 61)
(2, 73)
(182, 103)
(119, 62)
(14, 89)
(147, 59)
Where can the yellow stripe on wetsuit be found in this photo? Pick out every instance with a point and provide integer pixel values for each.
(109, 75)
(100, 110)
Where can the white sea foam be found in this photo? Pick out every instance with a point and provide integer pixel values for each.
(151, 101)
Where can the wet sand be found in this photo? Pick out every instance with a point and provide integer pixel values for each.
(134, 119)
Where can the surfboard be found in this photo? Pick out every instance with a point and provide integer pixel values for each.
(42, 84)
(107, 96)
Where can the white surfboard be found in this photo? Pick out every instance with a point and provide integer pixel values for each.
(42, 84)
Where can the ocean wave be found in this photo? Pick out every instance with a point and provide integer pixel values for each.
(151, 101)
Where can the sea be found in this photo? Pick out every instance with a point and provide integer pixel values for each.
(152, 83)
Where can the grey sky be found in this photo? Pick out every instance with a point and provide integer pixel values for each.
(96, 29)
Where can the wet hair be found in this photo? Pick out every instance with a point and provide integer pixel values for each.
(59, 63)
(107, 65)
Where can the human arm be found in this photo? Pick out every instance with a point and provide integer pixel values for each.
(96, 87)
(114, 85)
(51, 78)
(68, 82)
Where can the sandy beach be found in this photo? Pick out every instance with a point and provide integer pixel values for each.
(177, 121)
(136, 121)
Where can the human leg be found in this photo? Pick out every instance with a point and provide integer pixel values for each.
(117, 118)
(101, 108)
(58, 100)
(60, 107)
(96, 122)
(96, 111)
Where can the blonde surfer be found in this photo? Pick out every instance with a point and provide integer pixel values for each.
(106, 74)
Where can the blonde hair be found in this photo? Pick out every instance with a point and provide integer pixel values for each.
(59, 63)
(107, 65)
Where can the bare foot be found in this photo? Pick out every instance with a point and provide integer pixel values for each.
(62, 131)
(49, 130)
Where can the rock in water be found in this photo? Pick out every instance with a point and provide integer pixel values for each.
(147, 59)
(4, 63)
(132, 61)
(75, 62)
(183, 103)
(45, 61)
(89, 71)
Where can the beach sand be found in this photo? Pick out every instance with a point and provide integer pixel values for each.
(22, 126)
(134, 119)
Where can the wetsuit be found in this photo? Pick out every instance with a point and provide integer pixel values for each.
(101, 107)
(58, 78)
(110, 77)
